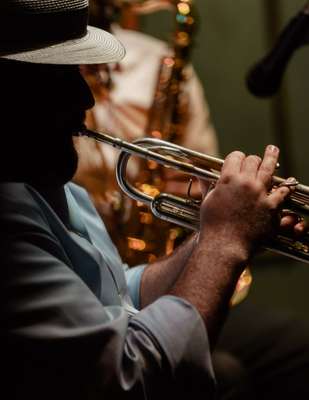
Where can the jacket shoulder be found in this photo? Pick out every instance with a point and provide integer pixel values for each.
(18, 208)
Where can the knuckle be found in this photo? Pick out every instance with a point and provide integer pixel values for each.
(258, 189)
(284, 191)
(265, 175)
(226, 178)
(271, 205)
(264, 169)
(258, 159)
(254, 158)
(235, 154)
(281, 192)
(238, 153)
(246, 184)
(252, 186)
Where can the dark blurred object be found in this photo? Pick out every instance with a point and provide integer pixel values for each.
(103, 13)
(264, 78)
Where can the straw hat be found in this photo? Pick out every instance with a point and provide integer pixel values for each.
(54, 32)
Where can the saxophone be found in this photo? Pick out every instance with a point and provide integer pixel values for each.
(166, 115)
(146, 237)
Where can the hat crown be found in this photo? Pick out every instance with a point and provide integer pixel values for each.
(42, 6)
(53, 32)
(31, 24)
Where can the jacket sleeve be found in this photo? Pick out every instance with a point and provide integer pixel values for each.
(58, 339)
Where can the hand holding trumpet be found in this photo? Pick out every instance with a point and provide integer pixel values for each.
(238, 214)
(248, 211)
(243, 176)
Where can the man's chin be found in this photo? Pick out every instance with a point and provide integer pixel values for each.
(70, 168)
(64, 167)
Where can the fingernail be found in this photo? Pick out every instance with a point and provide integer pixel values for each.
(273, 149)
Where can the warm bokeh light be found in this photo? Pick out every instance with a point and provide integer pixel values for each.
(146, 218)
(149, 189)
(184, 8)
(169, 61)
(136, 244)
(156, 134)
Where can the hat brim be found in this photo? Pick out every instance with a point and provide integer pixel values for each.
(96, 47)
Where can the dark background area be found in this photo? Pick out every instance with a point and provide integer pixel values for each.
(232, 35)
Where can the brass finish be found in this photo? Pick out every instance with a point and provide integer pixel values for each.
(167, 119)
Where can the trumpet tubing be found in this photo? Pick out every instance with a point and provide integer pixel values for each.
(185, 211)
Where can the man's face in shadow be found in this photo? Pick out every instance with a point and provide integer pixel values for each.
(43, 106)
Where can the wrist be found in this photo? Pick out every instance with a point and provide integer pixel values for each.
(227, 247)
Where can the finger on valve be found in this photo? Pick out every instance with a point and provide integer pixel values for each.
(290, 221)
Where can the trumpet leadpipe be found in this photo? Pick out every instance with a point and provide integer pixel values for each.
(139, 148)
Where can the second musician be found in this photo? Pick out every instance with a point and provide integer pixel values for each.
(129, 106)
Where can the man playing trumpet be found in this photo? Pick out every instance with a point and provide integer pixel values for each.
(123, 104)
(69, 328)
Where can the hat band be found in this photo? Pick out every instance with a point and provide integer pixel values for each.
(32, 31)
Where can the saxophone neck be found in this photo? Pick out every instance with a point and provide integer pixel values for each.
(167, 116)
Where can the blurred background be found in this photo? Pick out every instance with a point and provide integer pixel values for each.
(231, 37)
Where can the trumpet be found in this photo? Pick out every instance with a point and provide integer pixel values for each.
(185, 211)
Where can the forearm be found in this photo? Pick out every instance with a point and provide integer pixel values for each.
(234, 217)
(159, 277)
(209, 279)
(201, 273)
